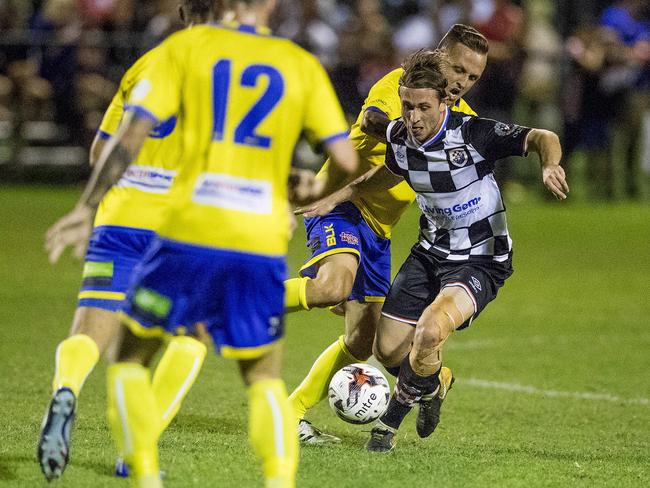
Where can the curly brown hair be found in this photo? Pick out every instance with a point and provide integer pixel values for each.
(424, 69)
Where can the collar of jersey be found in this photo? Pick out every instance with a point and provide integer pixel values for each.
(437, 135)
(249, 28)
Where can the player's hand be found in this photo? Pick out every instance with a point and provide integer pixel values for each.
(293, 224)
(319, 208)
(301, 185)
(73, 229)
(555, 180)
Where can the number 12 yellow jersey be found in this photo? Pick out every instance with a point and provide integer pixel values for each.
(242, 98)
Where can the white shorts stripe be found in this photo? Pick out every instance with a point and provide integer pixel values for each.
(400, 319)
(464, 287)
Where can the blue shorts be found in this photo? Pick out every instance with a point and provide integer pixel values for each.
(344, 230)
(113, 252)
(238, 297)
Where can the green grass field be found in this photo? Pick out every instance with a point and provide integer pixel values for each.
(553, 380)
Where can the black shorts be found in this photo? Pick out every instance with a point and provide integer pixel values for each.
(423, 275)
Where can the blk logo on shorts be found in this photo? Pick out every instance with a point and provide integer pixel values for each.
(475, 283)
(330, 235)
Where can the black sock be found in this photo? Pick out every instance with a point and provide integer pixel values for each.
(410, 387)
(394, 370)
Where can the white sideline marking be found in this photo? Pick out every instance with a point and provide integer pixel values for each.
(531, 390)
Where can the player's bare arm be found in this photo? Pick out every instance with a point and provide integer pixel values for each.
(379, 178)
(75, 228)
(374, 124)
(96, 149)
(547, 145)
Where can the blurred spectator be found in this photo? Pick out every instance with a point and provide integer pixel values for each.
(427, 27)
(607, 98)
(540, 76)
(61, 60)
(365, 55)
(628, 78)
(495, 94)
(307, 28)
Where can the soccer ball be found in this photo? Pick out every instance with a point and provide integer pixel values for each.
(359, 393)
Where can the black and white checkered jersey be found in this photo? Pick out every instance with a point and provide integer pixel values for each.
(464, 216)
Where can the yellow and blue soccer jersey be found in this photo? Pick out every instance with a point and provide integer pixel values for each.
(242, 98)
(382, 210)
(138, 199)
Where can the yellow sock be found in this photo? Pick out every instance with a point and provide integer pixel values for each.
(134, 421)
(295, 294)
(272, 432)
(76, 357)
(175, 374)
(314, 387)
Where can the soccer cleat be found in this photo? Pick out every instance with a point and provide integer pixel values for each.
(310, 435)
(121, 468)
(54, 444)
(429, 414)
(382, 439)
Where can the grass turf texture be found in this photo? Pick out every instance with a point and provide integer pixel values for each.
(573, 320)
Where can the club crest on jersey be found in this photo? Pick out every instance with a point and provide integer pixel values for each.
(458, 156)
(502, 129)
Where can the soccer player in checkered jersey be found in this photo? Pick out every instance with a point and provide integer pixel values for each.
(350, 246)
(464, 252)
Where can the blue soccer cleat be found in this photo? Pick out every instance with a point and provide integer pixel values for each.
(121, 468)
(54, 444)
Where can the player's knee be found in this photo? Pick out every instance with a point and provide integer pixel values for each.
(428, 334)
(386, 354)
(359, 343)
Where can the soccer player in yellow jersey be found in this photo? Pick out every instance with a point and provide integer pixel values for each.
(351, 246)
(124, 227)
(242, 98)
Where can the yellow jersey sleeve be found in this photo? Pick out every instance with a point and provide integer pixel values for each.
(384, 95)
(112, 117)
(139, 197)
(463, 106)
(324, 119)
(156, 93)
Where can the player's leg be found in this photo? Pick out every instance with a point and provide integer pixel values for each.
(175, 373)
(333, 270)
(327, 278)
(353, 347)
(132, 409)
(159, 301)
(173, 377)
(247, 324)
(419, 371)
(93, 330)
(272, 425)
(392, 344)
(361, 310)
(106, 271)
(331, 285)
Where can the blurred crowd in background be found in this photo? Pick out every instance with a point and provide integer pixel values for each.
(578, 67)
